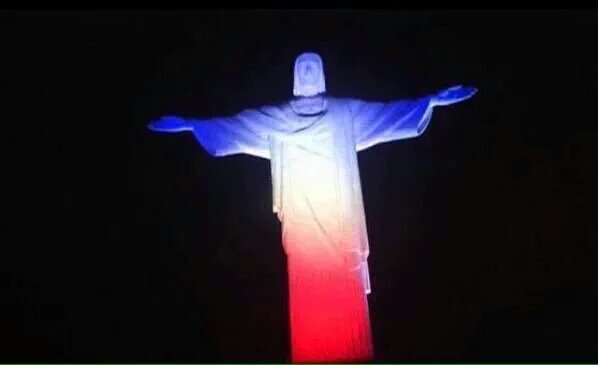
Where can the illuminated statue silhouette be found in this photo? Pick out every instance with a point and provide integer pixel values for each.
(312, 143)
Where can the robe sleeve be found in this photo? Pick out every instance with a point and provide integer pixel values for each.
(378, 122)
(246, 132)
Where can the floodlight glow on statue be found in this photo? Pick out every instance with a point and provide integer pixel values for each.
(312, 143)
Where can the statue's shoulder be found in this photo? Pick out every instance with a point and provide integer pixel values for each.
(267, 110)
(340, 103)
(335, 100)
(272, 108)
(344, 100)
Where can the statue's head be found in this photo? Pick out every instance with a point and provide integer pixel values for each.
(309, 75)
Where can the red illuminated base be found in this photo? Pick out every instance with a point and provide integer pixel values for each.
(329, 318)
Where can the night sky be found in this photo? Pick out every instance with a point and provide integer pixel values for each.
(132, 246)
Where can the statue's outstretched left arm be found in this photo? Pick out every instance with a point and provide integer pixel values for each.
(245, 132)
(381, 122)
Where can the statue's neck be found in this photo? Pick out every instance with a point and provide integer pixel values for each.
(309, 106)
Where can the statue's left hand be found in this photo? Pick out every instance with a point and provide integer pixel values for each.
(453, 95)
(170, 124)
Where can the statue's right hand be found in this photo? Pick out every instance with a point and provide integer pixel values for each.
(170, 124)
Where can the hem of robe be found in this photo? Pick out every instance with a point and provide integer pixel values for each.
(329, 316)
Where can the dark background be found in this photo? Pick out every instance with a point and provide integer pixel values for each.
(129, 245)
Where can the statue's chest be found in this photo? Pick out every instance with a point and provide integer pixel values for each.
(314, 141)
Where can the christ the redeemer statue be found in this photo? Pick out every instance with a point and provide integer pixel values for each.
(312, 143)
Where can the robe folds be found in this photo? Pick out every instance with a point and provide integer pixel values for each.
(317, 196)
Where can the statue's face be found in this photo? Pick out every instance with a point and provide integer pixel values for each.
(309, 75)
(309, 72)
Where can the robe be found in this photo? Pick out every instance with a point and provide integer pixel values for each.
(317, 196)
